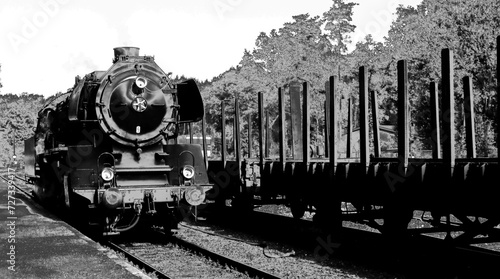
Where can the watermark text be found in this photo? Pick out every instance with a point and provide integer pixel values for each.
(11, 221)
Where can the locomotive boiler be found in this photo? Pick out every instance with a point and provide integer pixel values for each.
(107, 149)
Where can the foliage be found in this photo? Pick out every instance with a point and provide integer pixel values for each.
(299, 51)
(338, 25)
(18, 118)
(313, 48)
(469, 29)
(310, 49)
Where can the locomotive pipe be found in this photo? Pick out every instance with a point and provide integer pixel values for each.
(135, 221)
(130, 226)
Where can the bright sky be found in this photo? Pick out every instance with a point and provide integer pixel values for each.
(46, 43)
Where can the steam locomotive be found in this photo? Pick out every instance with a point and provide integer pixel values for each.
(107, 150)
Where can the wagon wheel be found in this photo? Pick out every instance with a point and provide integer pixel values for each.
(298, 207)
(328, 215)
(243, 204)
(397, 216)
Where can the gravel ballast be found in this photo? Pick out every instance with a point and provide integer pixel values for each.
(277, 258)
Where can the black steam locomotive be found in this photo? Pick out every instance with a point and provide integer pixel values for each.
(107, 150)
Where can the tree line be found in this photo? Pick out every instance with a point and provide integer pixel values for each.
(312, 48)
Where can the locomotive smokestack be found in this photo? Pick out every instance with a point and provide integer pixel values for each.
(126, 51)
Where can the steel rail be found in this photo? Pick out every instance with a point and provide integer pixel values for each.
(479, 251)
(239, 266)
(23, 191)
(137, 261)
(467, 251)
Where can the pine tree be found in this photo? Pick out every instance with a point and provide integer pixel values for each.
(338, 25)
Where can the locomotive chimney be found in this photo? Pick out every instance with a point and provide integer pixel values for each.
(126, 51)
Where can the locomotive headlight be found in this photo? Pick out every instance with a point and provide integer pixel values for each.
(107, 174)
(141, 82)
(188, 172)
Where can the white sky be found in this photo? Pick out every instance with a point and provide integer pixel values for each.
(46, 43)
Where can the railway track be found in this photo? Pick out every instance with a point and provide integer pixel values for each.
(5, 176)
(142, 264)
(246, 271)
(371, 249)
(241, 267)
(172, 257)
(360, 246)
